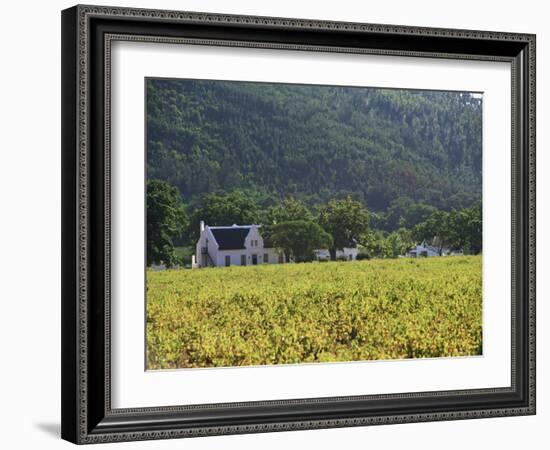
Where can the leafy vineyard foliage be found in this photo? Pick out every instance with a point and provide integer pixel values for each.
(314, 312)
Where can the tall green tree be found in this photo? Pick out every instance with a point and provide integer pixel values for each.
(166, 220)
(224, 208)
(437, 230)
(399, 242)
(405, 213)
(381, 244)
(466, 228)
(474, 228)
(375, 245)
(287, 210)
(298, 239)
(460, 229)
(344, 220)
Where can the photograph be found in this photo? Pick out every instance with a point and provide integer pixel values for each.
(272, 222)
(301, 223)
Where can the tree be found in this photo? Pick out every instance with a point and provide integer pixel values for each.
(399, 242)
(289, 209)
(298, 239)
(469, 228)
(405, 213)
(375, 244)
(166, 220)
(436, 230)
(380, 244)
(344, 220)
(454, 229)
(222, 208)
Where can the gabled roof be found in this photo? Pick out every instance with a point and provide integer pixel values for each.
(352, 243)
(230, 238)
(425, 245)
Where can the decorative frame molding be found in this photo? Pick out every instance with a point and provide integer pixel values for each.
(87, 34)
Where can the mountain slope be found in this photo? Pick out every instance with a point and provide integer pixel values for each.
(315, 142)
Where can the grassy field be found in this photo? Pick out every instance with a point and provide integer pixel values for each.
(314, 312)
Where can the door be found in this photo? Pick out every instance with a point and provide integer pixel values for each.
(254, 259)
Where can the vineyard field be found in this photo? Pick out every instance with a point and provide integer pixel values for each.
(314, 312)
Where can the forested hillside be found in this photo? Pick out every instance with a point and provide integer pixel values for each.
(401, 153)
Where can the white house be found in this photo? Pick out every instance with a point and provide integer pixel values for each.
(349, 253)
(425, 250)
(243, 245)
(236, 245)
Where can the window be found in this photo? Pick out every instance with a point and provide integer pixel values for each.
(227, 260)
(243, 260)
(266, 258)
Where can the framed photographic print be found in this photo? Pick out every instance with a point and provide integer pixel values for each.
(279, 224)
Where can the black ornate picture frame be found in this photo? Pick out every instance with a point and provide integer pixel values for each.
(87, 34)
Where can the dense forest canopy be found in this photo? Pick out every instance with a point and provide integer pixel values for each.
(384, 147)
(404, 155)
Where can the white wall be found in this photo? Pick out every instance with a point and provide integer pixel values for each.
(30, 226)
(235, 257)
(248, 252)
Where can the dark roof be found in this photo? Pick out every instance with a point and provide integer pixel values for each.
(352, 243)
(230, 238)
